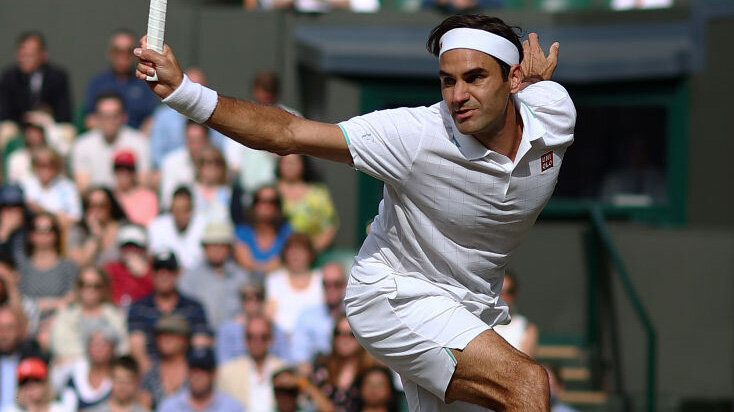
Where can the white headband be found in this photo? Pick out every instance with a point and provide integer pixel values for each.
(480, 40)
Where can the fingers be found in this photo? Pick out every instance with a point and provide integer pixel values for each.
(150, 55)
(553, 52)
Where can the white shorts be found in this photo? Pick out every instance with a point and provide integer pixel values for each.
(410, 324)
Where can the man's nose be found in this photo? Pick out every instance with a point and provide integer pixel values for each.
(461, 93)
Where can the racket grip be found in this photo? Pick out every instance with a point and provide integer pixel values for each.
(156, 28)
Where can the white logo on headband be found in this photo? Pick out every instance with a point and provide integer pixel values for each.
(480, 40)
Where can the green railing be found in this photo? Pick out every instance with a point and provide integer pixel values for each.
(603, 236)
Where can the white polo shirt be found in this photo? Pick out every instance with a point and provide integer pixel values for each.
(453, 211)
(92, 154)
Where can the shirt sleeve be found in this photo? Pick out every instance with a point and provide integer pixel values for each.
(551, 103)
(385, 143)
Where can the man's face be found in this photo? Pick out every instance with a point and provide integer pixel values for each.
(473, 89)
(200, 381)
(258, 337)
(9, 331)
(196, 138)
(170, 344)
(334, 283)
(30, 55)
(181, 210)
(120, 53)
(164, 280)
(508, 291)
(110, 117)
(216, 253)
(44, 165)
(124, 384)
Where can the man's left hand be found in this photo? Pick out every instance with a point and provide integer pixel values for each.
(536, 66)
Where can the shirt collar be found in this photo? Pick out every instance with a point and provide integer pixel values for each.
(472, 149)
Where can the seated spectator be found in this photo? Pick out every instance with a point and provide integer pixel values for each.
(377, 392)
(315, 325)
(520, 333)
(177, 168)
(307, 204)
(168, 129)
(169, 370)
(180, 230)
(212, 195)
(94, 239)
(125, 388)
(11, 297)
(91, 311)
(336, 374)
(33, 82)
(34, 391)
(289, 387)
(217, 281)
(200, 394)
(13, 221)
(261, 239)
(139, 203)
(120, 79)
(164, 300)
(247, 378)
(17, 155)
(13, 347)
(555, 379)
(295, 287)
(90, 380)
(463, 6)
(45, 275)
(93, 152)
(131, 275)
(231, 335)
(48, 190)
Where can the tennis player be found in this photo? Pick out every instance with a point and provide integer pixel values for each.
(465, 180)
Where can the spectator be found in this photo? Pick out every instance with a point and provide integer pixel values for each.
(17, 155)
(230, 336)
(200, 395)
(462, 6)
(247, 378)
(94, 239)
(295, 287)
(139, 203)
(315, 325)
(93, 152)
(177, 168)
(45, 275)
(33, 82)
(288, 387)
(13, 347)
(164, 300)
(520, 333)
(48, 190)
(90, 380)
(555, 379)
(307, 204)
(13, 221)
(212, 195)
(168, 129)
(377, 392)
(169, 371)
(125, 388)
(11, 297)
(261, 239)
(34, 392)
(91, 311)
(57, 136)
(131, 275)
(180, 230)
(120, 79)
(336, 374)
(217, 281)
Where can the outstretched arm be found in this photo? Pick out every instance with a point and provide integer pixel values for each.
(253, 125)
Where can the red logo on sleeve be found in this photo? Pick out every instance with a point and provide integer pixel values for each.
(546, 161)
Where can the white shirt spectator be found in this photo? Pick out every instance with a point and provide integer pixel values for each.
(163, 235)
(289, 302)
(177, 169)
(92, 154)
(60, 196)
(19, 166)
(255, 168)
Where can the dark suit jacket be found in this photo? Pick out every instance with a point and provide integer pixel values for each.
(16, 99)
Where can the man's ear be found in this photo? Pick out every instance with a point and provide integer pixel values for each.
(516, 77)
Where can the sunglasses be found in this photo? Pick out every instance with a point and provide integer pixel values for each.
(286, 391)
(94, 285)
(337, 284)
(345, 333)
(252, 296)
(43, 229)
(258, 336)
(271, 200)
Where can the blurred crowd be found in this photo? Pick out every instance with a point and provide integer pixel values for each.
(149, 263)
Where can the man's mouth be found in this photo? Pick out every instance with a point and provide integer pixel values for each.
(463, 114)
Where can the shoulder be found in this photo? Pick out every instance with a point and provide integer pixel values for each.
(86, 139)
(133, 135)
(228, 403)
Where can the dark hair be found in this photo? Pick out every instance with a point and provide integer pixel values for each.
(511, 276)
(31, 34)
(298, 239)
(116, 211)
(309, 174)
(128, 363)
(182, 191)
(393, 403)
(476, 21)
(7, 258)
(109, 95)
(267, 81)
(29, 248)
(279, 220)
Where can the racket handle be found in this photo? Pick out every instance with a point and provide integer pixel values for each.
(156, 29)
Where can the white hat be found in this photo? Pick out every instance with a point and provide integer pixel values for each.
(217, 232)
(132, 234)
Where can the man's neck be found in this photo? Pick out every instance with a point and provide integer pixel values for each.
(505, 137)
(201, 402)
(110, 139)
(259, 363)
(167, 301)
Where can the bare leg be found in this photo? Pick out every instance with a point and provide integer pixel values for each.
(491, 373)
